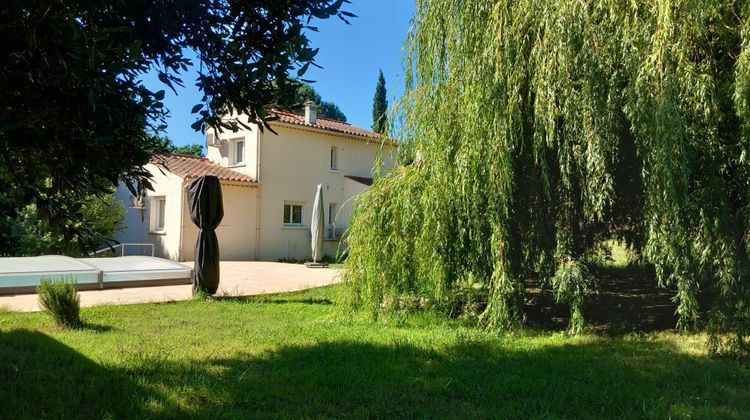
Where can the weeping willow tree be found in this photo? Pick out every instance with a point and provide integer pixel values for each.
(535, 129)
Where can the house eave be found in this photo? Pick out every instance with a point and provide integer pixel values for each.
(251, 184)
(334, 133)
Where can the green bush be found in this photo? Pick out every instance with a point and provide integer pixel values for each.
(60, 299)
(29, 233)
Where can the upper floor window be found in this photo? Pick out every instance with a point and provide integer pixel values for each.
(138, 201)
(334, 158)
(237, 151)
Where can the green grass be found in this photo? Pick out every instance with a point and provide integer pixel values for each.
(291, 355)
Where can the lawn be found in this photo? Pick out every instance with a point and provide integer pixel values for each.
(293, 355)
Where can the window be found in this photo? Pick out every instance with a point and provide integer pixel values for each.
(332, 220)
(237, 154)
(158, 213)
(331, 213)
(138, 201)
(293, 214)
(334, 158)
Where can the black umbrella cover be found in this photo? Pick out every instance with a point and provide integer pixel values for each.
(206, 211)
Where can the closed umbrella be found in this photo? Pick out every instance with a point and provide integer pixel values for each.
(206, 211)
(316, 227)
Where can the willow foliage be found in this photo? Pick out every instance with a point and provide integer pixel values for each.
(539, 128)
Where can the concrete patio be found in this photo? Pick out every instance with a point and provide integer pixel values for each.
(238, 278)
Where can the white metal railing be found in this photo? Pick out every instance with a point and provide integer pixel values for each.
(122, 249)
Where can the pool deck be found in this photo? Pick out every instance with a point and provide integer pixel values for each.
(238, 278)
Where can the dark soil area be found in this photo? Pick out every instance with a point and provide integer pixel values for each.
(626, 302)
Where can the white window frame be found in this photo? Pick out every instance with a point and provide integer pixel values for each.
(158, 204)
(292, 205)
(234, 159)
(138, 201)
(332, 209)
(334, 163)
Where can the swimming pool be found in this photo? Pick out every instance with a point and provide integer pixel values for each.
(20, 275)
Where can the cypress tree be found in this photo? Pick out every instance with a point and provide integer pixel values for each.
(380, 106)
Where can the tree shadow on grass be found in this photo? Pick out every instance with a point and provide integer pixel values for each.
(41, 377)
(605, 378)
(626, 302)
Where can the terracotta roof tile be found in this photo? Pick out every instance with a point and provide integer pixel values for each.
(192, 167)
(326, 124)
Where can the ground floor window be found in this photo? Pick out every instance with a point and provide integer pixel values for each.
(331, 214)
(293, 214)
(158, 213)
(332, 220)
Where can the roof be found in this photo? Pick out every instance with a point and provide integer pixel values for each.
(361, 179)
(326, 124)
(193, 167)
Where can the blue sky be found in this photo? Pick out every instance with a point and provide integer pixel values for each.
(349, 54)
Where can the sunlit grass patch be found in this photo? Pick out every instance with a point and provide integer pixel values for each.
(296, 355)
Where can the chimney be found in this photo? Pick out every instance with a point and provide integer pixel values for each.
(311, 113)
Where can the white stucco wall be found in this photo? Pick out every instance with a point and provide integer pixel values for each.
(293, 162)
(221, 153)
(138, 222)
(236, 233)
(351, 189)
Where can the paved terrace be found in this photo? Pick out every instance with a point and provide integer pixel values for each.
(238, 278)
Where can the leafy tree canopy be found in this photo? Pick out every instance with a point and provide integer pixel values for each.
(539, 129)
(326, 109)
(28, 234)
(165, 145)
(189, 149)
(76, 116)
(380, 106)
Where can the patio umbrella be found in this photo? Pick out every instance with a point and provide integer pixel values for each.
(316, 227)
(206, 211)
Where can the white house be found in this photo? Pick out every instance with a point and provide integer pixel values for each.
(268, 184)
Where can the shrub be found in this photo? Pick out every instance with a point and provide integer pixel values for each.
(31, 234)
(60, 299)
